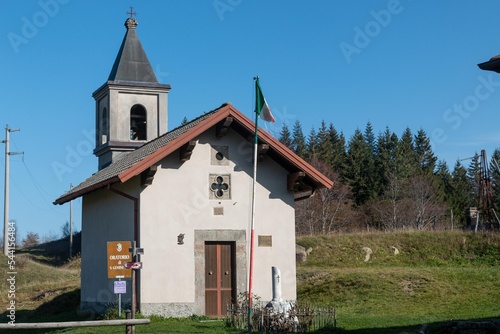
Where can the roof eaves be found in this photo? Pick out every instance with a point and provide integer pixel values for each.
(492, 65)
(72, 195)
(284, 151)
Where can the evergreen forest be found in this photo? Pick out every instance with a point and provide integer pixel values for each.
(386, 182)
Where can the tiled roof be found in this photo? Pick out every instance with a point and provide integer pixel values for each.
(135, 162)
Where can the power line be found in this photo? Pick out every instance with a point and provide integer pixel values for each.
(38, 187)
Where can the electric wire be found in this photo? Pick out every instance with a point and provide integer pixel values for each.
(38, 187)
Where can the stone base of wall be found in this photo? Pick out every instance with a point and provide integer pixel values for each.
(168, 310)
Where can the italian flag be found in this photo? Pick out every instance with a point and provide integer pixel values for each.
(261, 107)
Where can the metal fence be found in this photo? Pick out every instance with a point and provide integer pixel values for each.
(298, 319)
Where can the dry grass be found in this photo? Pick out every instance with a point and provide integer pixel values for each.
(37, 283)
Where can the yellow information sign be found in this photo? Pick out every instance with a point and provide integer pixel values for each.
(118, 255)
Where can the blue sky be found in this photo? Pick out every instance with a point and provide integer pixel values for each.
(396, 64)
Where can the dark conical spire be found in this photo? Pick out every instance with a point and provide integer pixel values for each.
(131, 63)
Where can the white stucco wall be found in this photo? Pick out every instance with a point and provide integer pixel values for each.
(178, 202)
(106, 216)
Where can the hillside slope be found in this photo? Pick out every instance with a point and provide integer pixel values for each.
(435, 277)
(414, 249)
(36, 286)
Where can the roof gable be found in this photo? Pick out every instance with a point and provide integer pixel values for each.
(136, 162)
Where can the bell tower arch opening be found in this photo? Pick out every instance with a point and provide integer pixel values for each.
(138, 122)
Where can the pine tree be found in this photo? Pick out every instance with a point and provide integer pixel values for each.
(299, 141)
(286, 136)
(385, 158)
(324, 145)
(370, 138)
(370, 171)
(338, 150)
(312, 145)
(474, 177)
(406, 159)
(425, 157)
(444, 181)
(460, 198)
(358, 174)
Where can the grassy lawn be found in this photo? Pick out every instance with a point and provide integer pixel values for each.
(436, 277)
(395, 297)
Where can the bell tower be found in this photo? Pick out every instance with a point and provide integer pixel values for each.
(131, 107)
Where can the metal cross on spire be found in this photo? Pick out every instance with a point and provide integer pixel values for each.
(131, 22)
(131, 13)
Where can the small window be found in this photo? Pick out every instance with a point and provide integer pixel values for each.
(219, 155)
(138, 123)
(220, 187)
(103, 126)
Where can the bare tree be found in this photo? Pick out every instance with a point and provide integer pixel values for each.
(329, 209)
(427, 206)
(31, 239)
(65, 230)
(335, 206)
(388, 211)
(304, 217)
(51, 236)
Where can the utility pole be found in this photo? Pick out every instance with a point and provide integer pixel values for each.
(70, 226)
(6, 188)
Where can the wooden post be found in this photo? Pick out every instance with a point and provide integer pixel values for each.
(129, 329)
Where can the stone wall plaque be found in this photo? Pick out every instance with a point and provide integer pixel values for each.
(265, 241)
(219, 211)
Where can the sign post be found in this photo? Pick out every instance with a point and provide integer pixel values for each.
(118, 255)
(122, 263)
(120, 287)
(135, 265)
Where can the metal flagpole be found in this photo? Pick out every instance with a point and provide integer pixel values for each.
(254, 183)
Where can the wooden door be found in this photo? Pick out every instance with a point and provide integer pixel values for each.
(219, 277)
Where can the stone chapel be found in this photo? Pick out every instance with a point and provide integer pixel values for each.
(184, 196)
